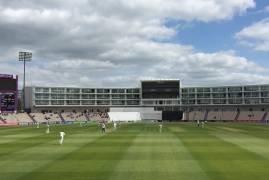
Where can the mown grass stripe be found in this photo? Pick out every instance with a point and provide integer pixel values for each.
(247, 142)
(163, 157)
(70, 162)
(43, 143)
(221, 164)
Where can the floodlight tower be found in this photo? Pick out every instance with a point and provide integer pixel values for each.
(25, 57)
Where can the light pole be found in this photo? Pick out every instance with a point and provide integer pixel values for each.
(24, 56)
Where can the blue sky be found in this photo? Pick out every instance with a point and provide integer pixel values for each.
(220, 36)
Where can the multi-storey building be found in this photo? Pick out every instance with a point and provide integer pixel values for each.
(162, 95)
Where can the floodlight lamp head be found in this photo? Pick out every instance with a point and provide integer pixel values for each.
(25, 56)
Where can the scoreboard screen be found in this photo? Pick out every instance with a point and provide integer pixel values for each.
(160, 89)
(8, 84)
(7, 102)
(8, 93)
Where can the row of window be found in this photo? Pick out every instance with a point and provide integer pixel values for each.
(224, 101)
(78, 90)
(136, 90)
(136, 96)
(86, 96)
(224, 95)
(223, 89)
(137, 102)
(86, 102)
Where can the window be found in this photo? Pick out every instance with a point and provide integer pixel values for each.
(132, 90)
(184, 90)
(234, 89)
(118, 96)
(265, 100)
(57, 102)
(220, 89)
(235, 95)
(191, 90)
(133, 102)
(57, 96)
(118, 102)
(103, 96)
(206, 95)
(251, 88)
(203, 89)
(45, 90)
(88, 102)
(88, 96)
(72, 96)
(73, 102)
(118, 90)
(252, 101)
(132, 96)
(42, 102)
(219, 101)
(251, 94)
(103, 90)
(42, 96)
(72, 90)
(235, 101)
(265, 94)
(57, 90)
(103, 102)
(265, 88)
(203, 101)
(219, 95)
(88, 91)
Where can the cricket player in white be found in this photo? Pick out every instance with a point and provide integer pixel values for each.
(203, 124)
(115, 125)
(37, 125)
(62, 134)
(160, 128)
(48, 129)
(103, 127)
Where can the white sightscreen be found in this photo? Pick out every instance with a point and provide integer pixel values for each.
(124, 116)
(157, 115)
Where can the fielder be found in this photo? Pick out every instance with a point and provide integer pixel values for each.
(62, 134)
(203, 124)
(103, 127)
(198, 123)
(48, 129)
(115, 125)
(160, 128)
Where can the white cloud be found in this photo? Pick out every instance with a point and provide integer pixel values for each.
(117, 43)
(202, 10)
(256, 35)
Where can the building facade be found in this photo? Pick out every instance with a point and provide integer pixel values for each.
(162, 95)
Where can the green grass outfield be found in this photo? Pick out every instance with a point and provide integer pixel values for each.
(136, 151)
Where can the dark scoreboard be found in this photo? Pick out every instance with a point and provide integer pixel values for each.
(163, 89)
(7, 102)
(8, 92)
(8, 84)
